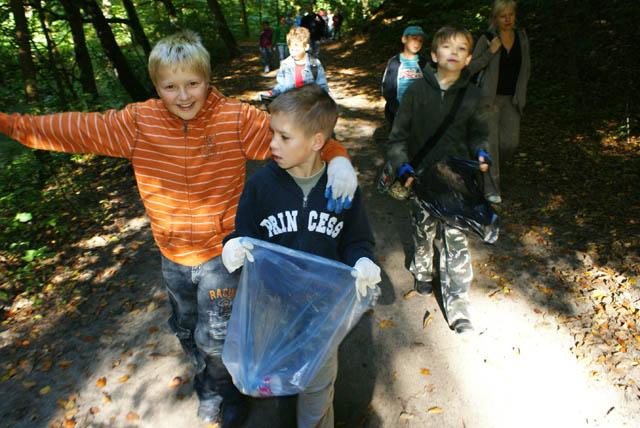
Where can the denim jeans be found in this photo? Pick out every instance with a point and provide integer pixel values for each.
(201, 298)
(265, 56)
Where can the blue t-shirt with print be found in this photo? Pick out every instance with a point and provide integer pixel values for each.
(408, 71)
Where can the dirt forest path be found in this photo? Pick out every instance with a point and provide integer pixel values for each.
(111, 362)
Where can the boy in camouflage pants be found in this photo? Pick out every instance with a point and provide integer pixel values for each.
(422, 109)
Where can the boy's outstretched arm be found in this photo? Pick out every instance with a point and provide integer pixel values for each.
(255, 137)
(110, 133)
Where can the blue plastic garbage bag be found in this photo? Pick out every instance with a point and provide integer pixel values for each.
(290, 313)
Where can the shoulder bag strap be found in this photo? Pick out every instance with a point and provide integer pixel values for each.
(428, 145)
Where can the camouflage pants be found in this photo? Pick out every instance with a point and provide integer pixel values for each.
(455, 269)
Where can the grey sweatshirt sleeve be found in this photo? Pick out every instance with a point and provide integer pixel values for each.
(481, 55)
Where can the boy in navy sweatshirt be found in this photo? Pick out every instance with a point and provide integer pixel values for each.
(284, 203)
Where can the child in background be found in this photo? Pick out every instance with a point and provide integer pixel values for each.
(423, 108)
(188, 150)
(300, 68)
(402, 69)
(291, 185)
(266, 44)
(281, 38)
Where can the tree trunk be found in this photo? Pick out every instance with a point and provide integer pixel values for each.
(128, 80)
(23, 38)
(245, 23)
(87, 78)
(55, 66)
(171, 10)
(138, 32)
(223, 28)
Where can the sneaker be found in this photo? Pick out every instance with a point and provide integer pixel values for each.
(494, 198)
(209, 411)
(462, 326)
(424, 288)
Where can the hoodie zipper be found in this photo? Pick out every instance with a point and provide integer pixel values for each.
(186, 175)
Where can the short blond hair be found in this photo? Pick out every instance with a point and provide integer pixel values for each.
(498, 7)
(445, 34)
(298, 34)
(310, 107)
(183, 49)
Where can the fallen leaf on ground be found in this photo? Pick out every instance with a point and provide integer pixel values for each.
(409, 294)
(46, 365)
(386, 324)
(425, 372)
(123, 378)
(133, 417)
(131, 367)
(93, 410)
(28, 384)
(45, 390)
(69, 423)
(106, 398)
(175, 382)
(71, 413)
(153, 329)
(427, 319)
(434, 410)
(64, 364)
(404, 416)
(102, 382)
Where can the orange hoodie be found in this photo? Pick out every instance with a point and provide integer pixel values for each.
(190, 174)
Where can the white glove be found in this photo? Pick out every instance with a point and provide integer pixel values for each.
(342, 180)
(234, 252)
(367, 275)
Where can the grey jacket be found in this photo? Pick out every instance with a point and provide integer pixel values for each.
(484, 59)
(422, 110)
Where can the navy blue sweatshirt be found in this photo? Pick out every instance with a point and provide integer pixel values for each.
(273, 208)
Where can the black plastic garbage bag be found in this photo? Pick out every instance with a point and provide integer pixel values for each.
(451, 190)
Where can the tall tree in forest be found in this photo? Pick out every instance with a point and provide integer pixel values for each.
(171, 10)
(129, 81)
(223, 28)
(55, 65)
(23, 38)
(87, 78)
(138, 32)
(245, 23)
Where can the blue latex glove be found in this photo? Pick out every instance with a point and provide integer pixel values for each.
(486, 156)
(405, 170)
(336, 204)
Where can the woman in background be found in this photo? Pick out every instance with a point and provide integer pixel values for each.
(501, 59)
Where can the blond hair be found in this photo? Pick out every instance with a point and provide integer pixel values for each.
(445, 34)
(298, 34)
(310, 107)
(498, 7)
(183, 49)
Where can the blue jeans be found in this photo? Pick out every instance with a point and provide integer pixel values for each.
(201, 298)
(265, 55)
